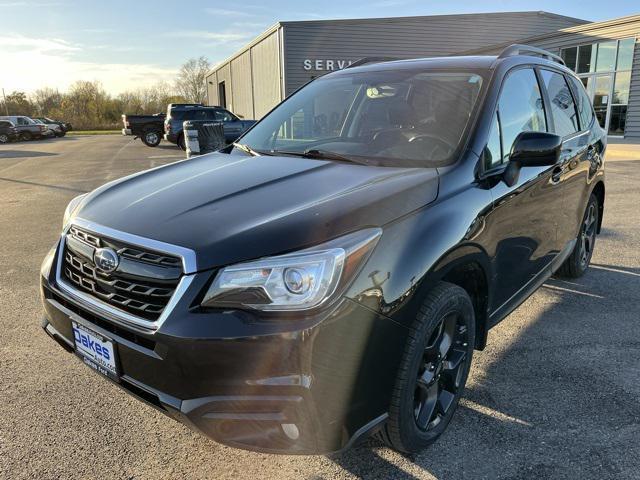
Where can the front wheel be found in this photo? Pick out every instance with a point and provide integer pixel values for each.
(4, 138)
(26, 136)
(576, 265)
(433, 371)
(151, 138)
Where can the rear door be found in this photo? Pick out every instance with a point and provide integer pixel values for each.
(524, 219)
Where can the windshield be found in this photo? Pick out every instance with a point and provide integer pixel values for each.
(401, 117)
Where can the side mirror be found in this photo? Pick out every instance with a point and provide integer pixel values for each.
(532, 149)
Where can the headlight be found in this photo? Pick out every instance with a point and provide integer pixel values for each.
(71, 208)
(296, 281)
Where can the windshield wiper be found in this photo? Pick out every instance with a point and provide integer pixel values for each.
(322, 155)
(248, 149)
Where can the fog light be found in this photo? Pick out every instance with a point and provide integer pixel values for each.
(291, 430)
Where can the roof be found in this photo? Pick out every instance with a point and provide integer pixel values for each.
(584, 28)
(359, 21)
(478, 62)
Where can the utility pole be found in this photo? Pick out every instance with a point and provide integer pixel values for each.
(6, 107)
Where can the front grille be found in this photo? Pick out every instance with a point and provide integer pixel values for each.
(142, 285)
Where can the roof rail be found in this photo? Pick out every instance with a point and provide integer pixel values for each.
(517, 49)
(366, 60)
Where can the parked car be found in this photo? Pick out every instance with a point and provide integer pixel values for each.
(60, 128)
(178, 113)
(28, 129)
(149, 128)
(330, 275)
(8, 132)
(50, 130)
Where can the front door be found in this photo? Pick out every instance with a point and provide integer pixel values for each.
(525, 216)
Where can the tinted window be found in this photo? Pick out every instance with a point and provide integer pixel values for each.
(569, 55)
(5, 124)
(563, 108)
(586, 58)
(224, 116)
(584, 103)
(493, 150)
(520, 107)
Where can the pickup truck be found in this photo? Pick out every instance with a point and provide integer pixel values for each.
(176, 114)
(148, 128)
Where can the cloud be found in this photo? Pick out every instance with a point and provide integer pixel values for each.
(223, 12)
(32, 63)
(218, 37)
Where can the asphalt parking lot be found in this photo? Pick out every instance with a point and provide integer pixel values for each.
(554, 395)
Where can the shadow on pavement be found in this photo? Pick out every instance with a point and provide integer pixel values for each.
(559, 401)
(23, 153)
(45, 185)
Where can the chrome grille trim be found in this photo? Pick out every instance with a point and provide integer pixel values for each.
(112, 313)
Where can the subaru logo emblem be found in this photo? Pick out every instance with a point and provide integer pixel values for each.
(106, 259)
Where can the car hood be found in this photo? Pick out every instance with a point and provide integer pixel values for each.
(231, 208)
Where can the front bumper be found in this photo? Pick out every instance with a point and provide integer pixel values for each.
(304, 385)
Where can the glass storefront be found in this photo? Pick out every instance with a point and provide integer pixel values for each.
(605, 71)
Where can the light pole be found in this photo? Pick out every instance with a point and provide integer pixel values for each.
(6, 107)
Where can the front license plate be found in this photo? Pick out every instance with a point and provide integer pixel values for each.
(95, 350)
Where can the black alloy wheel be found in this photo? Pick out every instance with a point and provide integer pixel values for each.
(588, 234)
(578, 262)
(433, 370)
(440, 375)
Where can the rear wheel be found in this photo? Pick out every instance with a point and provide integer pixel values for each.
(433, 371)
(151, 138)
(26, 136)
(181, 143)
(4, 138)
(576, 265)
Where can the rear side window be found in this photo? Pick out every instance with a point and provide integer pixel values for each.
(563, 108)
(520, 107)
(224, 116)
(584, 103)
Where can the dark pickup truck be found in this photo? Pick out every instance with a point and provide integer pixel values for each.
(148, 128)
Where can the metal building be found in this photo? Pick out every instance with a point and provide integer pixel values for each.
(289, 54)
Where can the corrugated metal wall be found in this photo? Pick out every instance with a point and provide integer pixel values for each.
(242, 86)
(266, 74)
(405, 37)
(633, 113)
(252, 78)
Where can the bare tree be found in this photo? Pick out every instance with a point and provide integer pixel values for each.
(191, 79)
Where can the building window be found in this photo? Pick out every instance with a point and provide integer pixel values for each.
(605, 70)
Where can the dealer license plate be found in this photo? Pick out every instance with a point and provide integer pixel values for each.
(95, 350)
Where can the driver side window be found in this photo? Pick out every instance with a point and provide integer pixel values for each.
(520, 108)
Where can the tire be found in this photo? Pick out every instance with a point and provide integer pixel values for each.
(4, 138)
(432, 376)
(26, 136)
(181, 143)
(578, 262)
(60, 134)
(151, 138)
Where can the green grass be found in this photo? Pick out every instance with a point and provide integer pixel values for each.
(94, 132)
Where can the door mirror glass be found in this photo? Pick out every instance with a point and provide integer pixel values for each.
(536, 149)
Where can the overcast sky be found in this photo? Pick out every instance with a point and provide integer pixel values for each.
(134, 43)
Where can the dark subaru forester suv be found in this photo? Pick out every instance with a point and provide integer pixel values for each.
(329, 275)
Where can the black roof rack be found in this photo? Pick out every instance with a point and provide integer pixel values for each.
(517, 49)
(366, 60)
